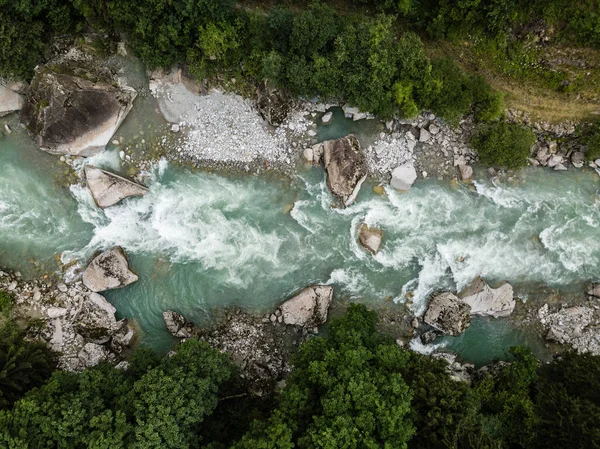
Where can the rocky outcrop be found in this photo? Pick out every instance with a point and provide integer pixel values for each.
(108, 189)
(10, 98)
(77, 323)
(404, 176)
(308, 308)
(370, 238)
(74, 115)
(108, 270)
(346, 167)
(260, 348)
(578, 327)
(459, 372)
(273, 104)
(178, 325)
(448, 314)
(487, 301)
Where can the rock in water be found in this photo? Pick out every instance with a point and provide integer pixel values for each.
(346, 167)
(466, 172)
(309, 307)
(10, 101)
(73, 115)
(178, 325)
(273, 104)
(486, 301)
(108, 270)
(327, 117)
(448, 314)
(370, 238)
(404, 176)
(108, 189)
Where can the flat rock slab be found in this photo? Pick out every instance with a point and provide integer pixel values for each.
(108, 188)
(346, 167)
(370, 238)
(10, 101)
(308, 308)
(487, 301)
(108, 270)
(448, 314)
(72, 115)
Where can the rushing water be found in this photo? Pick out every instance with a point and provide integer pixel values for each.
(201, 241)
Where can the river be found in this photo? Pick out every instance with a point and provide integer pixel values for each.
(200, 241)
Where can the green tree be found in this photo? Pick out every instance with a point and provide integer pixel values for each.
(502, 143)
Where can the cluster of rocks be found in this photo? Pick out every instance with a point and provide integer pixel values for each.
(451, 314)
(578, 327)
(262, 346)
(547, 153)
(75, 321)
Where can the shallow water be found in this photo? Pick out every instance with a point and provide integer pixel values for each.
(201, 241)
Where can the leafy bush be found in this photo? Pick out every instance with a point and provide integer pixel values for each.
(502, 143)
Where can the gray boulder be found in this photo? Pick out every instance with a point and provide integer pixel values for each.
(178, 325)
(370, 238)
(108, 270)
(448, 314)
(91, 354)
(466, 172)
(108, 189)
(10, 99)
(404, 176)
(96, 320)
(487, 301)
(346, 167)
(308, 308)
(273, 104)
(74, 115)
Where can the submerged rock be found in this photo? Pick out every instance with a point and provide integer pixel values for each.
(74, 115)
(346, 167)
(308, 308)
(178, 325)
(10, 99)
(404, 176)
(273, 104)
(108, 270)
(370, 238)
(486, 301)
(108, 188)
(448, 314)
(578, 327)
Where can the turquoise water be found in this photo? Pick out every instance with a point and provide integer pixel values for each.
(201, 241)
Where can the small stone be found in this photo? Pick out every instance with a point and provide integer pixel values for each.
(122, 155)
(115, 142)
(560, 167)
(12, 286)
(312, 133)
(466, 172)
(424, 136)
(62, 287)
(175, 128)
(327, 117)
(7, 128)
(434, 129)
(379, 190)
(307, 154)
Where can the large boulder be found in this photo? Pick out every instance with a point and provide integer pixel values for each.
(370, 238)
(308, 308)
(96, 320)
(404, 176)
(178, 325)
(10, 99)
(487, 301)
(273, 104)
(448, 314)
(108, 188)
(346, 167)
(74, 115)
(108, 270)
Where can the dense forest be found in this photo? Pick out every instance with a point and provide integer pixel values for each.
(354, 388)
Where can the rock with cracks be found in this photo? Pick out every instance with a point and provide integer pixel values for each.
(108, 270)
(177, 325)
(448, 314)
(346, 167)
(74, 115)
(108, 189)
(370, 238)
(487, 301)
(308, 308)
